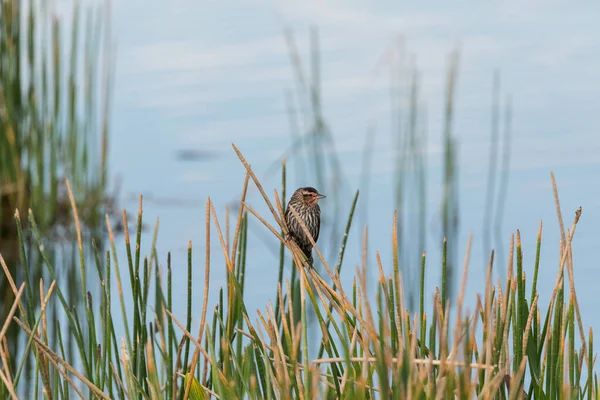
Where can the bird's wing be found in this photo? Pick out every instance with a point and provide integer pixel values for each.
(287, 214)
(317, 228)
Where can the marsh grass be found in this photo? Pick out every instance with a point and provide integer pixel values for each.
(369, 345)
(53, 109)
(372, 346)
(54, 91)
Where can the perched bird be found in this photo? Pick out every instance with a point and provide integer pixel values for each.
(305, 203)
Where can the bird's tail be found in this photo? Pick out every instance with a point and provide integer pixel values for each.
(307, 250)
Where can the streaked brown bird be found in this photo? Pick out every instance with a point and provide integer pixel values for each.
(305, 202)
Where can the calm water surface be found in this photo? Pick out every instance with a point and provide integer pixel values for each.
(203, 75)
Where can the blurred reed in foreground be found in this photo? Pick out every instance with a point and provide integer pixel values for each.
(507, 348)
(54, 91)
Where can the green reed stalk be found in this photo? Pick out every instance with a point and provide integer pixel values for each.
(423, 327)
(28, 281)
(170, 332)
(521, 308)
(281, 245)
(188, 325)
(444, 274)
(590, 368)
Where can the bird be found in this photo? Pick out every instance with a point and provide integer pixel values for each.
(305, 203)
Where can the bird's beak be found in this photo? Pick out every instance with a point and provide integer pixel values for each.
(320, 196)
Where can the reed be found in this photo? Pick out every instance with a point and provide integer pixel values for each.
(54, 112)
(371, 346)
(367, 345)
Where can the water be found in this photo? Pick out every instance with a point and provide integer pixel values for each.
(193, 75)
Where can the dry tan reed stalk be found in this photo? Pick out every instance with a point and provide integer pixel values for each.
(568, 255)
(350, 351)
(297, 373)
(268, 327)
(290, 244)
(284, 321)
(238, 224)
(316, 378)
(331, 293)
(287, 331)
(178, 364)
(368, 323)
(55, 357)
(260, 188)
(529, 320)
(265, 223)
(514, 389)
(150, 361)
(295, 336)
(382, 278)
(286, 375)
(269, 370)
(11, 281)
(221, 239)
(473, 345)
(364, 336)
(9, 386)
(445, 326)
(44, 319)
(460, 334)
(559, 277)
(125, 228)
(320, 294)
(493, 385)
(5, 357)
(575, 301)
(190, 337)
(557, 204)
(76, 217)
(64, 374)
(230, 287)
(6, 378)
(457, 326)
(43, 333)
(440, 387)
(279, 209)
(12, 311)
(412, 354)
(111, 239)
